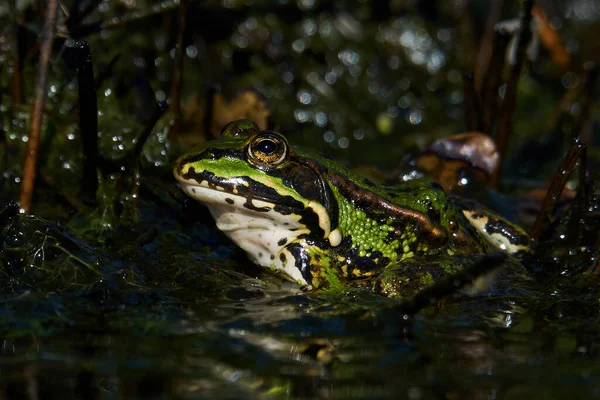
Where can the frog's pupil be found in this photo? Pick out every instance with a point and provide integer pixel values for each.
(266, 146)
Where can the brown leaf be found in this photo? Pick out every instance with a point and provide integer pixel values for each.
(446, 158)
(249, 104)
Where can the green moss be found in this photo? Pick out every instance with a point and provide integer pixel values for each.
(427, 279)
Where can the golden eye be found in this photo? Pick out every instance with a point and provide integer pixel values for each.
(268, 148)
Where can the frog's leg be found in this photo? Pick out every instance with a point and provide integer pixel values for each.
(411, 276)
(314, 262)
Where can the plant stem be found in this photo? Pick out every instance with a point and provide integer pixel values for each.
(33, 145)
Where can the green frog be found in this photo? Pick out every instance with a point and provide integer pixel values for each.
(321, 225)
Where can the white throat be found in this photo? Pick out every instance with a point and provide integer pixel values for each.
(263, 235)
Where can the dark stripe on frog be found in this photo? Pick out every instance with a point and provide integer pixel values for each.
(212, 154)
(369, 201)
(301, 261)
(254, 190)
(515, 237)
(285, 205)
(250, 206)
(307, 177)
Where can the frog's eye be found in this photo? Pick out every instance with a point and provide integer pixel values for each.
(268, 148)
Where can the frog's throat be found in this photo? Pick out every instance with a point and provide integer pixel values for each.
(256, 226)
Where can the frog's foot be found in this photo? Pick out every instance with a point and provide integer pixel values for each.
(498, 232)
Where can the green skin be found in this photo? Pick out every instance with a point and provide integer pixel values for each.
(336, 228)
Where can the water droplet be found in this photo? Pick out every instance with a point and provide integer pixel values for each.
(349, 57)
(414, 117)
(191, 51)
(444, 35)
(329, 136)
(309, 27)
(502, 91)
(321, 119)
(302, 115)
(304, 97)
(298, 45)
(570, 80)
(359, 134)
(330, 78)
(288, 77)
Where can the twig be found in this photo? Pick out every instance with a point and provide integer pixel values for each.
(510, 96)
(492, 81)
(487, 50)
(590, 79)
(76, 15)
(105, 73)
(161, 108)
(559, 179)
(159, 111)
(88, 120)
(33, 145)
(17, 76)
(124, 19)
(471, 104)
(175, 95)
(575, 227)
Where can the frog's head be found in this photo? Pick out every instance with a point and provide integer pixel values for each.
(261, 193)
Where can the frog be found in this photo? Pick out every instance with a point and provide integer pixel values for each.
(313, 220)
